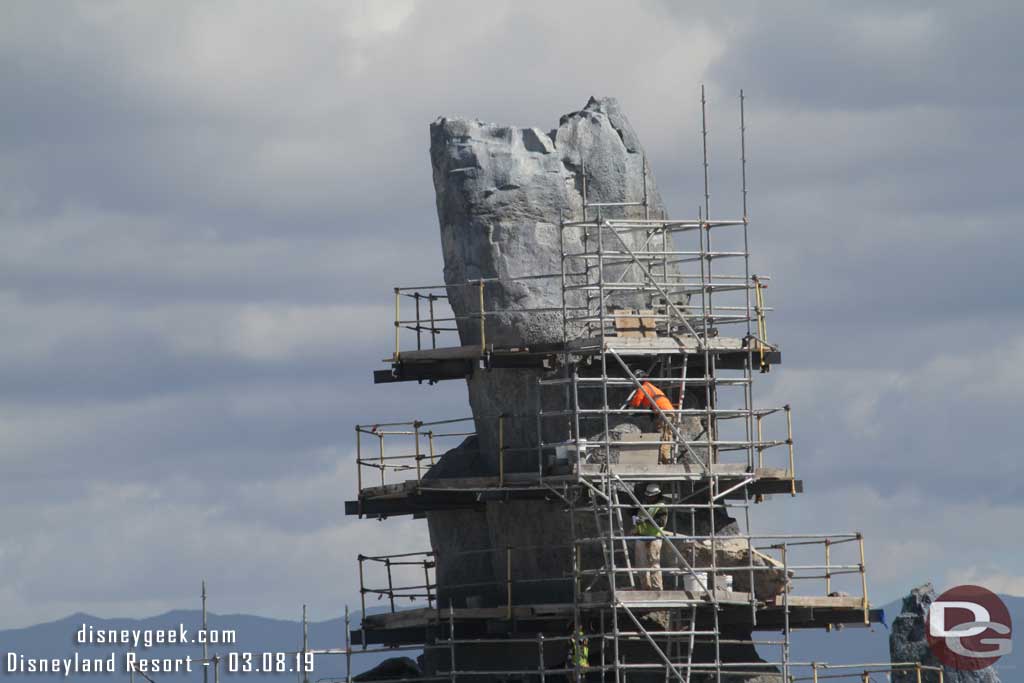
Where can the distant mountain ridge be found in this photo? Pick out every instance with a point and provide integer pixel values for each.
(263, 634)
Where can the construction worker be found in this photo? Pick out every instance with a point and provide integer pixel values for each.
(647, 551)
(648, 396)
(578, 656)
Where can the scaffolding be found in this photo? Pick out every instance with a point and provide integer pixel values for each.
(645, 301)
(302, 661)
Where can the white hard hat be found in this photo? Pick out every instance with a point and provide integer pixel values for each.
(653, 490)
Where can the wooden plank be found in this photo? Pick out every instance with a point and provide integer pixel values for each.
(626, 319)
(659, 598)
(821, 601)
(648, 326)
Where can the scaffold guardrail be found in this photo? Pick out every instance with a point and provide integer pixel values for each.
(644, 302)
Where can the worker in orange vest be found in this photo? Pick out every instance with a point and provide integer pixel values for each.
(648, 396)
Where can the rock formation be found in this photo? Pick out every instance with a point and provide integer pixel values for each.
(502, 192)
(391, 669)
(907, 643)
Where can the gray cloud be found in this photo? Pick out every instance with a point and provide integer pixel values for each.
(204, 208)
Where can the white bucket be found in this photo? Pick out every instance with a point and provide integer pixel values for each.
(723, 582)
(692, 582)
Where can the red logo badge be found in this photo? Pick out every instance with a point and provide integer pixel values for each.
(968, 628)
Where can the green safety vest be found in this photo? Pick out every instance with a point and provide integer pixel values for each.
(645, 527)
(580, 657)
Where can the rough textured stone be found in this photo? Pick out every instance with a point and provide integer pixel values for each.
(907, 643)
(462, 461)
(732, 555)
(624, 431)
(502, 192)
(391, 669)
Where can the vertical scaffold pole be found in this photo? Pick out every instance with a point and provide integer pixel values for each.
(704, 137)
(451, 641)
(391, 585)
(750, 555)
(863, 581)
(583, 185)
(561, 249)
(483, 321)
(789, 442)
(433, 324)
(206, 664)
(380, 436)
(828, 572)
(398, 324)
(785, 612)
(419, 326)
(748, 370)
(508, 581)
(305, 645)
(540, 656)
(501, 451)
(604, 349)
(426, 578)
(359, 469)
(362, 596)
(348, 646)
(416, 444)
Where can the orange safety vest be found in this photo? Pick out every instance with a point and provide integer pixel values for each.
(640, 399)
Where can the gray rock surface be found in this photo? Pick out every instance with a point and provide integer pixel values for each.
(907, 643)
(392, 669)
(502, 192)
(462, 461)
(624, 431)
(731, 555)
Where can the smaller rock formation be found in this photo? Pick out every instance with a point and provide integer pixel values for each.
(391, 669)
(732, 557)
(907, 643)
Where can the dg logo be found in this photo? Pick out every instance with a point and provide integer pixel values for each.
(968, 628)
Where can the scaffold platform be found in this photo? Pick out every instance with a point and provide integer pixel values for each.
(458, 362)
(805, 612)
(414, 497)
(637, 442)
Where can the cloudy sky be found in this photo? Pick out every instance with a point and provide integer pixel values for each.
(203, 207)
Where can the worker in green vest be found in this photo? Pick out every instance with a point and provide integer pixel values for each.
(647, 551)
(578, 657)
